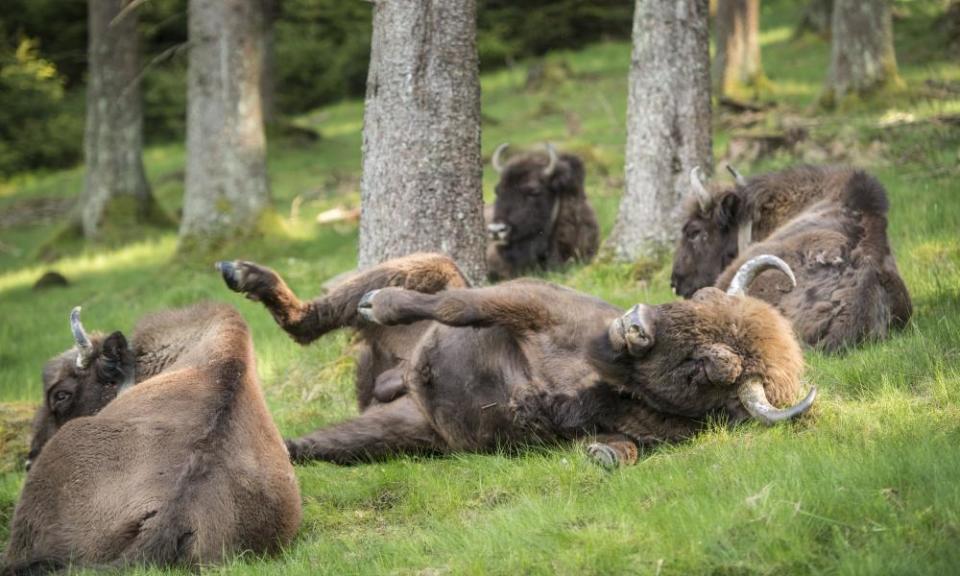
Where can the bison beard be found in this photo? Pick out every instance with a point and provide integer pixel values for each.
(529, 361)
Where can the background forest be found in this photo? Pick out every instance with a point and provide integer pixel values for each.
(866, 485)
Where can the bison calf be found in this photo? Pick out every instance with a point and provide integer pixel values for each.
(828, 223)
(179, 469)
(541, 218)
(445, 367)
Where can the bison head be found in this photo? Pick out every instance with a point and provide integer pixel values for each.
(719, 351)
(528, 200)
(80, 381)
(711, 235)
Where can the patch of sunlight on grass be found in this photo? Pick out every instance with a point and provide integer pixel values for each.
(132, 256)
(784, 87)
(775, 35)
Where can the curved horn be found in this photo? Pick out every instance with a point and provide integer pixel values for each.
(696, 184)
(497, 165)
(80, 337)
(737, 176)
(552, 154)
(754, 399)
(752, 268)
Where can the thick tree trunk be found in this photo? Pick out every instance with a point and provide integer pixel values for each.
(862, 58)
(226, 183)
(271, 12)
(737, 61)
(668, 123)
(116, 185)
(816, 18)
(421, 185)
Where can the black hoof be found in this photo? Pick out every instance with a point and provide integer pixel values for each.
(365, 306)
(229, 272)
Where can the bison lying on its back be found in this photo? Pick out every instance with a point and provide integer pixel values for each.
(541, 218)
(446, 367)
(181, 468)
(829, 224)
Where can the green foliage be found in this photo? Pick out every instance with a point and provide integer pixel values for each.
(37, 126)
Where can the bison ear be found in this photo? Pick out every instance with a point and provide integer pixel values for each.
(115, 351)
(568, 177)
(729, 210)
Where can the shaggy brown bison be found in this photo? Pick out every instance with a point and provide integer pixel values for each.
(445, 367)
(179, 469)
(541, 218)
(828, 223)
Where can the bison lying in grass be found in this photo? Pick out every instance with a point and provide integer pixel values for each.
(541, 218)
(180, 469)
(445, 367)
(829, 224)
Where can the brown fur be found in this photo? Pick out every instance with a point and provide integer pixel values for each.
(709, 244)
(180, 469)
(526, 202)
(848, 287)
(528, 361)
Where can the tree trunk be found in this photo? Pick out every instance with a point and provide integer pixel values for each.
(271, 12)
(816, 18)
(737, 62)
(862, 58)
(421, 185)
(668, 123)
(116, 185)
(226, 183)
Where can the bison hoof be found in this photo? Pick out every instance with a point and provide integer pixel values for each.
(603, 455)
(365, 307)
(230, 274)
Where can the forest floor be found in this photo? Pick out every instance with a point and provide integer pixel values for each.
(868, 484)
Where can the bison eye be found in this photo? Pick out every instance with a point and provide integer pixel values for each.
(60, 399)
(693, 234)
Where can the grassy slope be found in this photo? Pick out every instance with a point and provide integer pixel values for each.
(867, 485)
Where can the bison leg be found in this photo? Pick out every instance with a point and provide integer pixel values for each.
(515, 307)
(382, 430)
(612, 451)
(307, 321)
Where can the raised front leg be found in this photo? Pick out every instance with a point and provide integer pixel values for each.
(307, 321)
(518, 308)
(612, 450)
(383, 430)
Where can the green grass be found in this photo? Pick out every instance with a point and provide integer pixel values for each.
(866, 485)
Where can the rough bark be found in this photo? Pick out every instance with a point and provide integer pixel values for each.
(271, 13)
(862, 58)
(421, 184)
(737, 61)
(668, 123)
(116, 184)
(226, 182)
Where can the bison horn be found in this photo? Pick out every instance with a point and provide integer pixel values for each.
(552, 164)
(754, 399)
(703, 197)
(752, 268)
(497, 165)
(737, 176)
(81, 338)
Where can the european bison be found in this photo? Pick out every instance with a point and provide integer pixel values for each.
(828, 223)
(445, 367)
(541, 218)
(180, 469)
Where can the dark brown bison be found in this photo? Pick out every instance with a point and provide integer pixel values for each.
(445, 367)
(541, 218)
(179, 469)
(828, 223)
